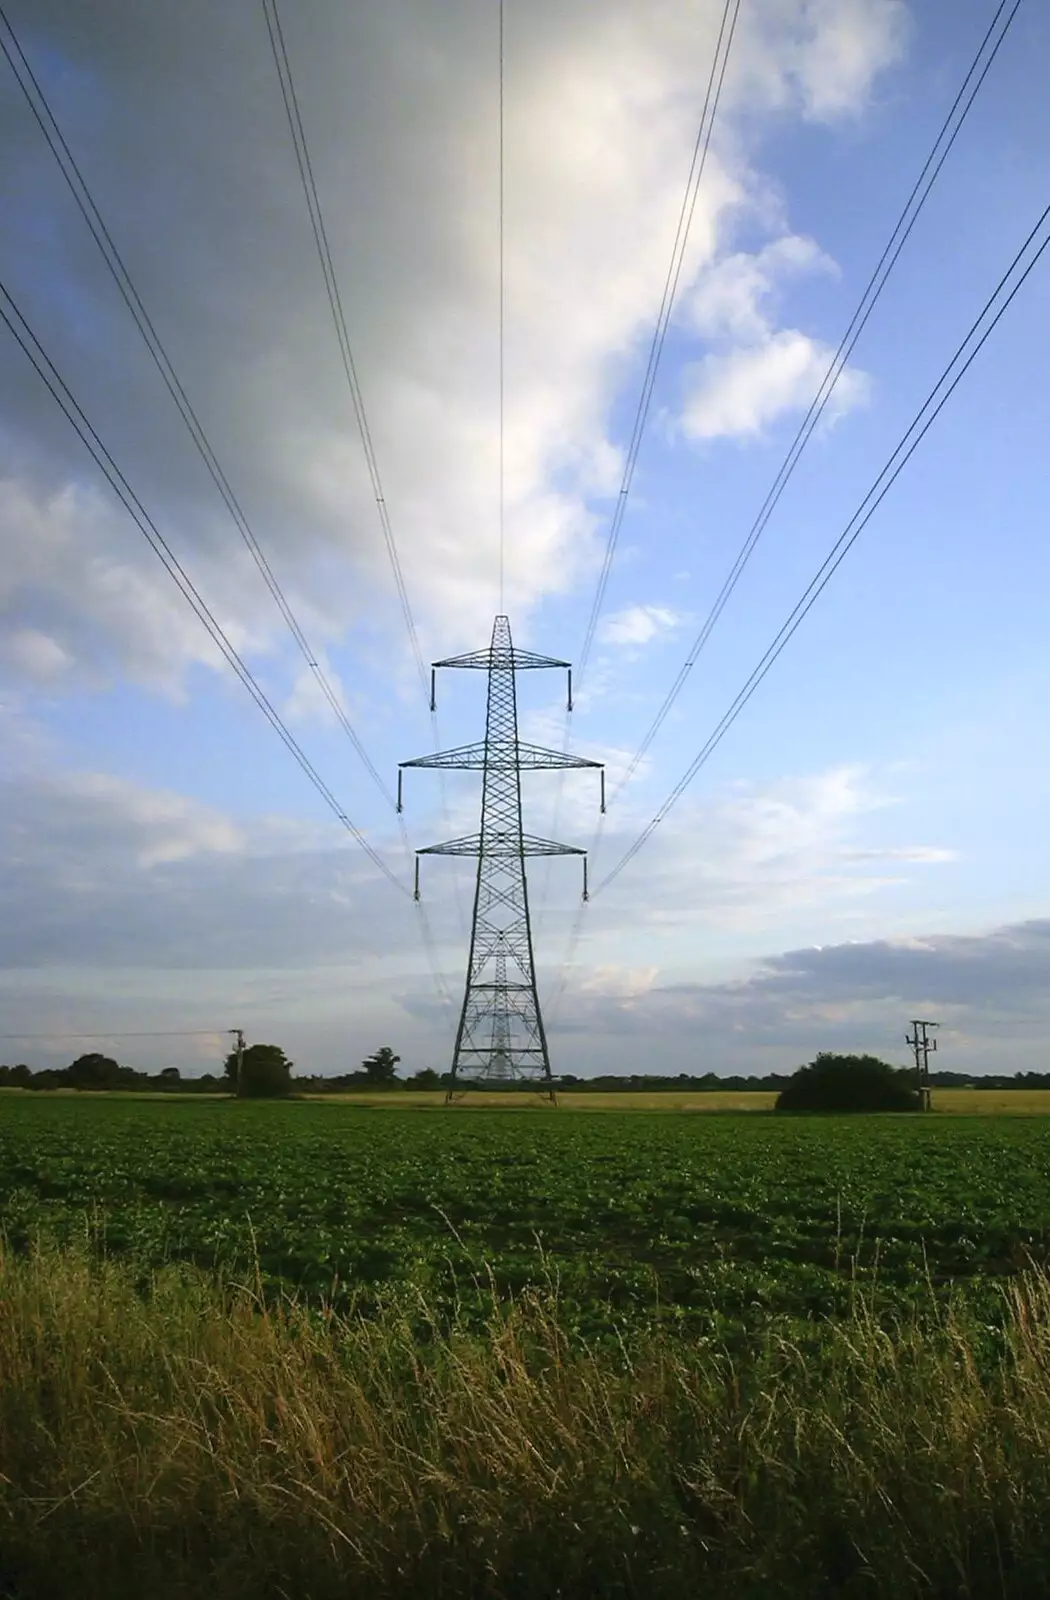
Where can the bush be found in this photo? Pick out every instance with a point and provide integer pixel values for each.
(93, 1071)
(849, 1083)
(266, 1072)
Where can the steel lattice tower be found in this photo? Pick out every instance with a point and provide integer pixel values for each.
(500, 1034)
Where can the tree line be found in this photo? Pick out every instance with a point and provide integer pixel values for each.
(259, 1071)
(264, 1071)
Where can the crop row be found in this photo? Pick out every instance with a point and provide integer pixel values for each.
(710, 1221)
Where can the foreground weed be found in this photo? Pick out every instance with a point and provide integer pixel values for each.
(184, 1433)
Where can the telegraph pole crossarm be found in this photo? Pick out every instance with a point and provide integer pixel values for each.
(922, 1044)
(238, 1033)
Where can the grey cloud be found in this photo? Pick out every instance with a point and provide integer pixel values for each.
(102, 874)
(1002, 970)
(107, 885)
(990, 991)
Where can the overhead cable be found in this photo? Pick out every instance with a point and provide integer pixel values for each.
(135, 1033)
(713, 93)
(67, 163)
(942, 145)
(980, 330)
(331, 283)
(50, 376)
(502, 320)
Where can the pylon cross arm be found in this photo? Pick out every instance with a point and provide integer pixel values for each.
(501, 844)
(500, 756)
(508, 658)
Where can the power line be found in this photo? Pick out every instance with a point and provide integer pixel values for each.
(939, 152)
(304, 164)
(502, 318)
(978, 333)
(46, 121)
(62, 396)
(554, 1003)
(138, 1033)
(712, 95)
(331, 283)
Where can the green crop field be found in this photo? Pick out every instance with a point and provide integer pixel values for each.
(525, 1351)
(712, 1222)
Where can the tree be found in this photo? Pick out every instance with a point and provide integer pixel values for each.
(266, 1072)
(849, 1083)
(382, 1067)
(170, 1075)
(426, 1078)
(94, 1071)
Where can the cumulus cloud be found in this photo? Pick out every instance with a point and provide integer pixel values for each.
(745, 859)
(638, 625)
(732, 297)
(823, 55)
(204, 204)
(35, 655)
(740, 392)
(763, 371)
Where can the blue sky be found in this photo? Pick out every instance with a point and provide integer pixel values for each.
(869, 837)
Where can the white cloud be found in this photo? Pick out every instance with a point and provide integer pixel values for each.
(91, 821)
(622, 984)
(601, 113)
(749, 863)
(638, 625)
(78, 587)
(739, 393)
(731, 297)
(761, 371)
(108, 870)
(922, 854)
(822, 56)
(35, 655)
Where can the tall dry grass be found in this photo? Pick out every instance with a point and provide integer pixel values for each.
(178, 1436)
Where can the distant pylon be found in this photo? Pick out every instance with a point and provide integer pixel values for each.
(500, 1034)
(922, 1044)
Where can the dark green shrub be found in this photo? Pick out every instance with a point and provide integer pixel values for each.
(266, 1072)
(849, 1083)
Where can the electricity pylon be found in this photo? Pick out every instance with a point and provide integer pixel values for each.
(500, 1034)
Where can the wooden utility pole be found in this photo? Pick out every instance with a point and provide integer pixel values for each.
(239, 1033)
(922, 1044)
